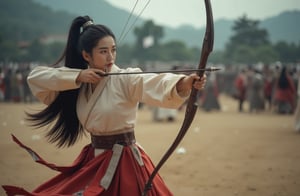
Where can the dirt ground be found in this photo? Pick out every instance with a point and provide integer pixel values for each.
(224, 153)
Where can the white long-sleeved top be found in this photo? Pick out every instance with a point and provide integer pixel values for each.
(112, 107)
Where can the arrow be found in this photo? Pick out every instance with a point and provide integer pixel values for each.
(209, 69)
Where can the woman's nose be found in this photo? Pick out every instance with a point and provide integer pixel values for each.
(110, 56)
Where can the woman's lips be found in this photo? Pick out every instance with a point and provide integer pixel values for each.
(108, 67)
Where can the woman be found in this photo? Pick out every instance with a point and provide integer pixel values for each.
(79, 99)
(285, 93)
(297, 110)
(240, 84)
(210, 97)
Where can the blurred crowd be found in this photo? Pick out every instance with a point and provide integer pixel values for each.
(265, 87)
(13, 85)
(270, 87)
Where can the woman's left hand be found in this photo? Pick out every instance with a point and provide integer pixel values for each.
(199, 81)
(185, 84)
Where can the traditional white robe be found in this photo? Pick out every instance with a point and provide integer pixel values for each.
(112, 107)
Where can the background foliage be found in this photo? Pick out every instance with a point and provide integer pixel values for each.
(27, 26)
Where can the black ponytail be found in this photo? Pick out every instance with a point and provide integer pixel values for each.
(65, 128)
(62, 112)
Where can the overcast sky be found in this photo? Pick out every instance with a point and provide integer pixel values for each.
(177, 12)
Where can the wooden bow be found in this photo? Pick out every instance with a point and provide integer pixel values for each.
(192, 105)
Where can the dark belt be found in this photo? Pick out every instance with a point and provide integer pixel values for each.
(108, 141)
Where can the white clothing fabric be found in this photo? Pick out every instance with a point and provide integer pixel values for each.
(112, 107)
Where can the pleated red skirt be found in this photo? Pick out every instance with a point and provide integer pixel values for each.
(84, 175)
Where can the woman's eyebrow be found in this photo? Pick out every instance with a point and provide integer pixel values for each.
(105, 47)
(101, 48)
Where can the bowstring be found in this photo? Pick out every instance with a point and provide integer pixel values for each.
(124, 32)
(128, 19)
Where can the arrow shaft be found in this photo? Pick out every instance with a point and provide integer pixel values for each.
(210, 69)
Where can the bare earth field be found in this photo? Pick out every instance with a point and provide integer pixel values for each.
(224, 153)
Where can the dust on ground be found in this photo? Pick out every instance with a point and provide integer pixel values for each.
(224, 153)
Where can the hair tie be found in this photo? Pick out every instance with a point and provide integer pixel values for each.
(87, 23)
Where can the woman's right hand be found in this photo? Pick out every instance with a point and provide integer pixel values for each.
(90, 75)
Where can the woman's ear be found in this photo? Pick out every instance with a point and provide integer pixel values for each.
(86, 56)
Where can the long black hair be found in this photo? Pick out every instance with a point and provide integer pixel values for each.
(83, 35)
(283, 81)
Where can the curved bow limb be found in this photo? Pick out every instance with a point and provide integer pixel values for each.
(192, 105)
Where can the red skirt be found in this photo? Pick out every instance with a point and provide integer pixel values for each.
(84, 175)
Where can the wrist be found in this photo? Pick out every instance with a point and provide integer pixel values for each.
(182, 87)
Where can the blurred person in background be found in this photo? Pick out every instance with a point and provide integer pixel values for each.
(255, 90)
(285, 93)
(240, 84)
(297, 111)
(210, 96)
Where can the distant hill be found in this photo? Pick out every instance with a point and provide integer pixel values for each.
(55, 16)
(100, 10)
(26, 20)
(284, 26)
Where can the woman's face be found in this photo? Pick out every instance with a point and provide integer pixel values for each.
(103, 55)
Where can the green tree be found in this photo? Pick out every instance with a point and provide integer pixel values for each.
(9, 50)
(288, 52)
(124, 55)
(249, 44)
(148, 29)
(53, 51)
(175, 50)
(36, 51)
(147, 40)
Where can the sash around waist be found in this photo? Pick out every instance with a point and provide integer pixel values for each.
(108, 141)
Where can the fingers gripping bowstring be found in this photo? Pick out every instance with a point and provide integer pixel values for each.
(124, 31)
